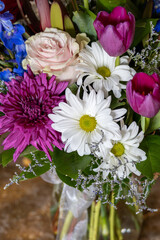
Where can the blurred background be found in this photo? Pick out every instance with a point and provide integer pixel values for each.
(25, 210)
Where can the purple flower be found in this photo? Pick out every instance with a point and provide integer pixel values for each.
(143, 94)
(115, 30)
(26, 106)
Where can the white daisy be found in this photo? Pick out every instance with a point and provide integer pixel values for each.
(123, 155)
(82, 121)
(105, 72)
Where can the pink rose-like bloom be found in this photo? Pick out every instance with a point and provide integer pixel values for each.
(54, 52)
(143, 94)
(115, 30)
(26, 106)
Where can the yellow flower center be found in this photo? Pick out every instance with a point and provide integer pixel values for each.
(118, 149)
(104, 71)
(87, 123)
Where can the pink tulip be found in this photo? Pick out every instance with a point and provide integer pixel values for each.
(44, 13)
(143, 94)
(115, 30)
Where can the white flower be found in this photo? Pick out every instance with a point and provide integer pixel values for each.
(83, 121)
(123, 155)
(105, 72)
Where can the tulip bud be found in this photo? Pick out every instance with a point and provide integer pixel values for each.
(115, 30)
(143, 94)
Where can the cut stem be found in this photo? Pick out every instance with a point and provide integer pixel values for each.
(66, 225)
(112, 217)
(86, 5)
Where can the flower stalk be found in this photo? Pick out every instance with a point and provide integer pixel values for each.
(94, 220)
(112, 217)
(86, 4)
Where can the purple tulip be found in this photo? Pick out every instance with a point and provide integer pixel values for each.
(115, 30)
(143, 94)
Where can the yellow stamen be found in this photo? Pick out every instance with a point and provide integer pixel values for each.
(87, 123)
(104, 71)
(118, 149)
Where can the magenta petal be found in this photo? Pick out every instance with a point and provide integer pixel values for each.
(26, 107)
(112, 42)
(119, 14)
(99, 27)
(150, 107)
(123, 29)
(143, 82)
(131, 31)
(115, 30)
(156, 78)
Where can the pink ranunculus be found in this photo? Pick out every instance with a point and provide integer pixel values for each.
(115, 30)
(143, 94)
(53, 52)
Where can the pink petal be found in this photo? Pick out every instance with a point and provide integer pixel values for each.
(44, 13)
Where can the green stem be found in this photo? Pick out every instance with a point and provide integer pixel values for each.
(86, 5)
(74, 4)
(111, 217)
(96, 220)
(10, 53)
(66, 224)
(91, 221)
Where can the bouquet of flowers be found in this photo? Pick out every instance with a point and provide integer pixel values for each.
(80, 98)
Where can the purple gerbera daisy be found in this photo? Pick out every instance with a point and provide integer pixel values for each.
(26, 106)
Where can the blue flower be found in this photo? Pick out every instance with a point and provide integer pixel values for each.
(157, 27)
(20, 52)
(13, 37)
(156, 6)
(5, 23)
(2, 6)
(6, 75)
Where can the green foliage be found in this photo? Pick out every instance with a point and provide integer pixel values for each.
(68, 164)
(73, 87)
(145, 123)
(154, 123)
(142, 29)
(66, 179)
(151, 145)
(108, 5)
(118, 102)
(6, 157)
(84, 21)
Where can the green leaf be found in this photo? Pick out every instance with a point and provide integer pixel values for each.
(66, 179)
(151, 145)
(28, 150)
(130, 6)
(7, 156)
(68, 164)
(43, 165)
(117, 102)
(145, 123)
(85, 24)
(56, 16)
(154, 123)
(68, 26)
(108, 5)
(90, 13)
(142, 29)
(73, 87)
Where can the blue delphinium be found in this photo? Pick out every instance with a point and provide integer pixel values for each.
(156, 7)
(6, 75)
(5, 19)
(157, 27)
(14, 37)
(11, 36)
